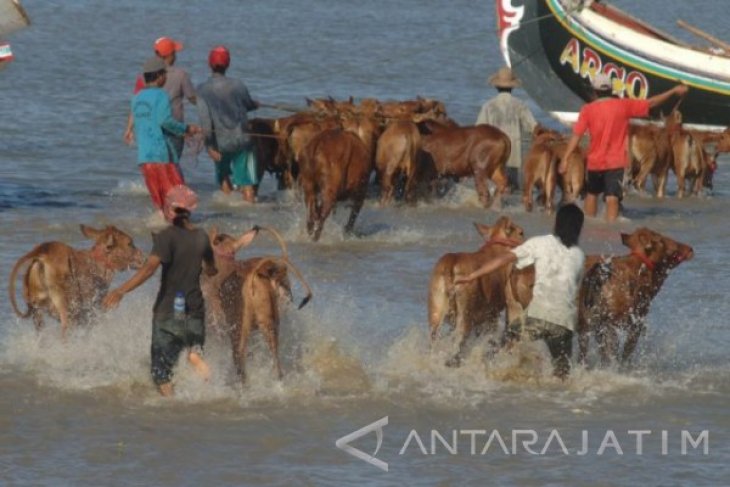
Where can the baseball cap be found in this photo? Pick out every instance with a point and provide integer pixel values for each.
(219, 56)
(602, 82)
(164, 46)
(179, 197)
(154, 65)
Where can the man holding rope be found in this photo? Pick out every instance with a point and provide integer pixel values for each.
(606, 119)
(223, 105)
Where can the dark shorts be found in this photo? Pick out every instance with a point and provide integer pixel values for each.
(610, 182)
(558, 339)
(169, 338)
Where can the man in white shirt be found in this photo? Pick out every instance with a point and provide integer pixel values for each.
(510, 115)
(552, 314)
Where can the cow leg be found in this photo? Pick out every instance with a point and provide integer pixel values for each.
(357, 203)
(482, 187)
(57, 298)
(239, 353)
(328, 201)
(646, 165)
(463, 330)
(271, 335)
(607, 343)
(632, 339)
(387, 186)
(527, 189)
(310, 200)
(583, 341)
(660, 184)
(680, 184)
(550, 193)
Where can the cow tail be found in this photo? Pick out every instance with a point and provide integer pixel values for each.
(32, 255)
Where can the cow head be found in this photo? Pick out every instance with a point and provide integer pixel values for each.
(657, 248)
(114, 247)
(225, 246)
(503, 229)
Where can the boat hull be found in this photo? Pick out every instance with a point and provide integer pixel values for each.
(555, 58)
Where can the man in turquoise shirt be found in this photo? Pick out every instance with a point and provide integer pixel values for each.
(153, 118)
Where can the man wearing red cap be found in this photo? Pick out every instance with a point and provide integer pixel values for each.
(223, 106)
(177, 85)
(184, 252)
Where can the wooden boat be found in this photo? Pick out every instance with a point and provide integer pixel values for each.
(556, 47)
(12, 18)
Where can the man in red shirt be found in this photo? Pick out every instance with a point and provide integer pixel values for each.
(607, 121)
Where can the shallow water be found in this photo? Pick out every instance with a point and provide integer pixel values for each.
(85, 413)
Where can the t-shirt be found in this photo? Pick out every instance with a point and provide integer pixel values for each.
(151, 114)
(607, 121)
(223, 106)
(181, 252)
(558, 272)
(177, 85)
(511, 116)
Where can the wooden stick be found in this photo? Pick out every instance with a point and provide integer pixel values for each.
(704, 35)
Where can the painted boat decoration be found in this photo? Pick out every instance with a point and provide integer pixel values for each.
(12, 18)
(556, 47)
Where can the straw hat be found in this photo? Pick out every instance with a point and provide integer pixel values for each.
(504, 78)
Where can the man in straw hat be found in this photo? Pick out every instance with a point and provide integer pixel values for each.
(606, 119)
(184, 252)
(511, 116)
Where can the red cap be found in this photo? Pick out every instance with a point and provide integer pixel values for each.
(164, 46)
(219, 57)
(179, 196)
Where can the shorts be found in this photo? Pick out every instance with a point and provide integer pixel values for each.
(169, 338)
(159, 178)
(610, 182)
(239, 167)
(558, 339)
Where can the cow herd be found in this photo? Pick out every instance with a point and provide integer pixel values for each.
(331, 151)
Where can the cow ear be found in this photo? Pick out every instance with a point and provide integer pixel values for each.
(212, 234)
(484, 230)
(626, 239)
(91, 233)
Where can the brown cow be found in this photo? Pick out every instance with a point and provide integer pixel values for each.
(69, 284)
(266, 149)
(480, 152)
(335, 166)
(650, 154)
(540, 170)
(396, 156)
(250, 297)
(616, 293)
(475, 305)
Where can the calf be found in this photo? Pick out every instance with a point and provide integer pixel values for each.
(396, 156)
(480, 152)
(69, 284)
(336, 166)
(475, 305)
(616, 293)
(540, 170)
(250, 297)
(650, 155)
